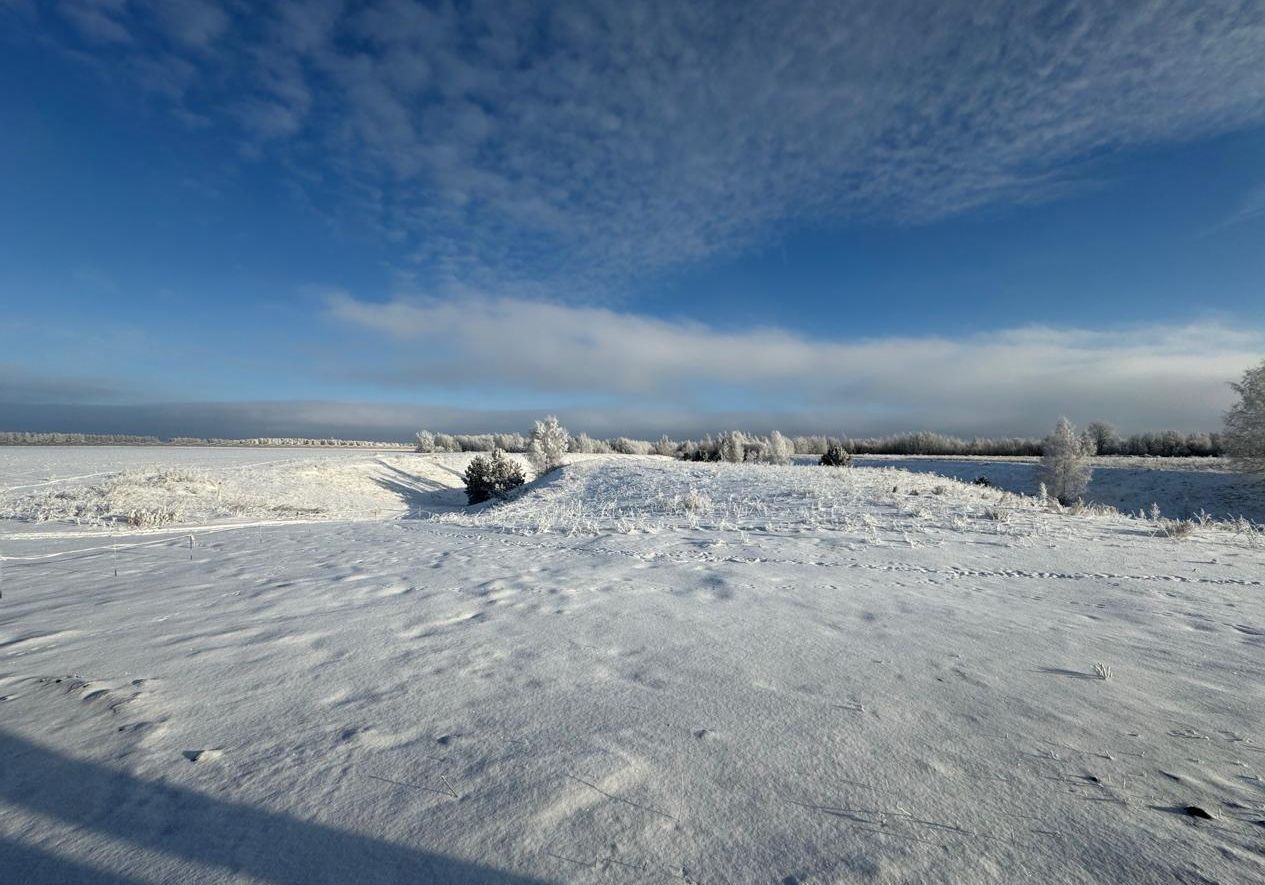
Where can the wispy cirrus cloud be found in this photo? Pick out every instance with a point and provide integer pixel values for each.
(1009, 381)
(555, 148)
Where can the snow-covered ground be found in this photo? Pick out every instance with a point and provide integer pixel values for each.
(1181, 487)
(637, 671)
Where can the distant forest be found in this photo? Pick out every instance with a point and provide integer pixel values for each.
(1166, 443)
(10, 438)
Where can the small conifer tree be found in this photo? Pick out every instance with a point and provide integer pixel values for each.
(491, 476)
(835, 456)
(549, 443)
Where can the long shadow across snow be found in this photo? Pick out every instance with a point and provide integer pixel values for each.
(418, 494)
(227, 838)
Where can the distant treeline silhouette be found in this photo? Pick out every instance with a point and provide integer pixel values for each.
(1166, 443)
(11, 438)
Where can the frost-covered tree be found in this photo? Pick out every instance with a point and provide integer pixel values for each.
(778, 450)
(732, 447)
(425, 441)
(664, 446)
(549, 443)
(811, 445)
(1244, 437)
(1065, 469)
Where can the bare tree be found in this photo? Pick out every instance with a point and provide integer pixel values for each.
(1065, 467)
(1106, 439)
(1244, 436)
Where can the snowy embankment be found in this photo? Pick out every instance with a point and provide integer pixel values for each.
(639, 670)
(190, 488)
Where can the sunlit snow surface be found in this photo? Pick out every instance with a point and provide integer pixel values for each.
(326, 669)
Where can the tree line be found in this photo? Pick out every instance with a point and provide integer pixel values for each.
(23, 438)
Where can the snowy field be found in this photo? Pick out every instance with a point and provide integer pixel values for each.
(242, 666)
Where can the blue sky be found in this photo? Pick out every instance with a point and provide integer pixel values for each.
(356, 218)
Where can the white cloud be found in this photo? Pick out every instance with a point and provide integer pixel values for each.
(98, 21)
(1251, 208)
(581, 143)
(1007, 381)
(195, 23)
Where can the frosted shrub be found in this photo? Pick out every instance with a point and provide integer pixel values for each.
(624, 446)
(1065, 470)
(692, 501)
(549, 443)
(1175, 528)
(152, 517)
(491, 476)
(1244, 437)
(425, 441)
(664, 446)
(835, 456)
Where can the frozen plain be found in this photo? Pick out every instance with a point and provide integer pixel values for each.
(638, 671)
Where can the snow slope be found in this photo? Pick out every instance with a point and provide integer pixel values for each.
(638, 671)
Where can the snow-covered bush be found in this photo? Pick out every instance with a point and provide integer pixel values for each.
(699, 451)
(732, 447)
(425, 442)
(1244, 437)
(491, 476)
(622, 445)
(549, 443)
(1065, 469)
(835, 456)
(692, 501)
(1175, 528)
(663, 446)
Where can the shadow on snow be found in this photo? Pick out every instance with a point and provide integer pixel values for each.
(230, 838)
